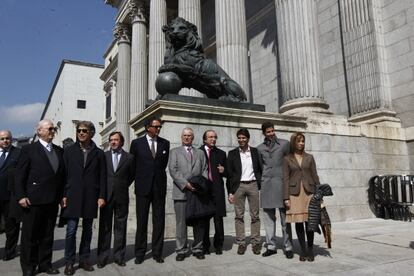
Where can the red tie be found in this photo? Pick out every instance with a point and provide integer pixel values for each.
(210, 175)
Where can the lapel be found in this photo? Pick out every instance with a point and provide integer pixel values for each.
(187, 156)
(238, 160)
(91, 154)
(122, 160)
(108, 157)
(159, 147)
(144, 145)
(43, 156)
(8, 159)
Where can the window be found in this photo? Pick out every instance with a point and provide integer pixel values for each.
(81, 104)
(108, 107)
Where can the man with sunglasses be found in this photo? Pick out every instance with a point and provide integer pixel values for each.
(39, 186)
(151, 158)
(9, 155)
(84, 192)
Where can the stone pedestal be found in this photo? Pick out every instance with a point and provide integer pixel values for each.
(346, 154)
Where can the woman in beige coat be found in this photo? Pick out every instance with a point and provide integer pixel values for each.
(299, 181)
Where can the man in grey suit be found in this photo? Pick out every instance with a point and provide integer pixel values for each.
(120, 174)
(186, 162)
(272, 151)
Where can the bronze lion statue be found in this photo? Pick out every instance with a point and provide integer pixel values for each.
(185, 65)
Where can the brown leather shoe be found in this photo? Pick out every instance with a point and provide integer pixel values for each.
(86, 266)
(257, 249)
(241, 249)
(69, 269)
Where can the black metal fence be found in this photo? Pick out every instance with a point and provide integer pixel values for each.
(390, 196)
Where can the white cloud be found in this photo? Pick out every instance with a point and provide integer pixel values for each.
(21, 119)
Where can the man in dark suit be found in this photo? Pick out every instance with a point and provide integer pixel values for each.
(216, 161)
(8, 161)
(39, 186)
(187, 163)
(151, 158)
(84, 193)
(244, 172)
(120, 174)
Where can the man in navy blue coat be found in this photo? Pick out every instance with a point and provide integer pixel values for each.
(151, 158)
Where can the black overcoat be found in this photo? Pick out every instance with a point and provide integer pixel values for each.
(84, 184)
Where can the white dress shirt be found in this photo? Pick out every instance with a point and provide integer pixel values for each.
(247, 165)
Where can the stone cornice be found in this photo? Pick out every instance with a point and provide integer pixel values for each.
(110, 69)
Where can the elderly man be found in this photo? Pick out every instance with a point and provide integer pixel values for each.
(39, 186)
(85, 191)
(8, 161)
(186, 163)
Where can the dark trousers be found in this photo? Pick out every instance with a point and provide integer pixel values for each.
(70, 242)
(37, 236)
(11, 228)
(157, 201)
(119, 213)
(300, 233)
(218, 234)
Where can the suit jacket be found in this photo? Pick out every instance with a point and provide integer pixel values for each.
(118, 181)
(35, 177)
(182, 168)
(6, 172)
(271, 155)
(217, 157)
(150, 172)
(84, 184)
(294, 174)
(234, 169)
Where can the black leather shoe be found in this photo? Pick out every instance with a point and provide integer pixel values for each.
(69, 269)
(139, 260)
(9, 257)
(219, 251)
(206, 251)
(180, 257)
(159, 260)
(199, 255)
(120, 263)
(86, 266)
(101, 264)
(269, 252)
(29, 272)
(289, 254)
(50, 271)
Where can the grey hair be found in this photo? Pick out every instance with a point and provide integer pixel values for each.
(7, 131)
(189, 129)
(42, 122)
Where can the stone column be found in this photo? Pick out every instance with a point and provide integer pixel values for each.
(158, 18)
(365, 62)
(299, 57)
(190, 10)
(139, 70)
(122, 110)
(231, 41)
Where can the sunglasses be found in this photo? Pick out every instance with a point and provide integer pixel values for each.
(157, 127)
(83, 130)
(5, 138)
(51, 128)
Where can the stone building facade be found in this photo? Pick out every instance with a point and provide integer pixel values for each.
(341, 71)
(75, 96)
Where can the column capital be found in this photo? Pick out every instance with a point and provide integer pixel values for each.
(122, 33)
(137, 12)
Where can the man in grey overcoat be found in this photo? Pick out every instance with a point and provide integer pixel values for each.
(272, 151)
(186, 162)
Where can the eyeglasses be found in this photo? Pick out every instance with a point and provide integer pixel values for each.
(83, 130)
(157, 127)
(5, 138)
(51, 128)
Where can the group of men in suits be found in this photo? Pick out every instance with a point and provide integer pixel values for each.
(83, 179)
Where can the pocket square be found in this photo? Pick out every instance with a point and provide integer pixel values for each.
(164, 152)
(34, 183)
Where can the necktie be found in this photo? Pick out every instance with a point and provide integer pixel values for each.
(210, 175)
(190, 153)
(153, 148)
(115, 161)
(2, 158)
(49, 147)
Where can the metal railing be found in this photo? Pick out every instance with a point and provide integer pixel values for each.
(390, 196)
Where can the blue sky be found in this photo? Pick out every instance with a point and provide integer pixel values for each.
(35, 36)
